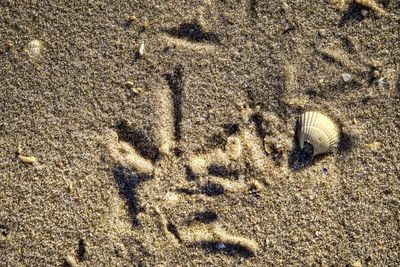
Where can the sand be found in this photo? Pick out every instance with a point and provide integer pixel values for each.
(185, 154)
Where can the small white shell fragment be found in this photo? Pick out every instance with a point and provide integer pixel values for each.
(34, 48)
(141, 50)
(27, 159)
(383, 81)
(220, 245)
(346, 77)
(137, 91)
(319, 131)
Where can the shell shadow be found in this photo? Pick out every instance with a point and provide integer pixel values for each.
(346, 142)
(302, 159)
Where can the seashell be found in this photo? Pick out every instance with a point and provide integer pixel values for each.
(319, 131)
(141, 50)
(27, 159)
(35, 48)
(346, 77)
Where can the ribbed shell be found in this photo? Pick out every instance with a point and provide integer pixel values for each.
(319, 131)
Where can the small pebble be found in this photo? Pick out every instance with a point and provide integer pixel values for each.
(220, 246)
(267, 148)
(346, 77)
(129, 84)
(322, 33)
(376, 74)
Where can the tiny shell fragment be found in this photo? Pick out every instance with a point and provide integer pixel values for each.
(346, 77)
(129, 84)
(137, 91)
(27, 159)
(267, 148)
(35, 48)
(319, 131)
(141, 50)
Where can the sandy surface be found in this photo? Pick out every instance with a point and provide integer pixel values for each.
(187, 154)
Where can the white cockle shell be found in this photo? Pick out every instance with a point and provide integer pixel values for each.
(319, 131)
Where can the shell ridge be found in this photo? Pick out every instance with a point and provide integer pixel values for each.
(317, 138)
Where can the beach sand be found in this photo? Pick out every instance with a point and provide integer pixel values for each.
(185, 153)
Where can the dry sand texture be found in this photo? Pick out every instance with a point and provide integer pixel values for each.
(183, 151)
